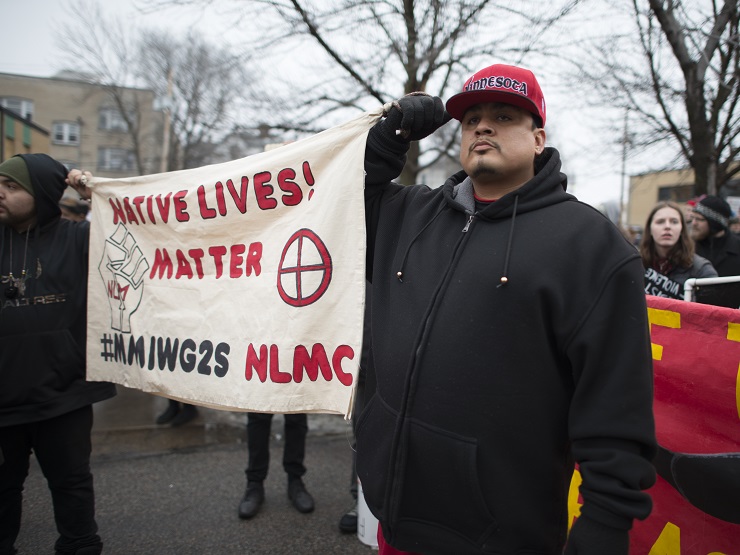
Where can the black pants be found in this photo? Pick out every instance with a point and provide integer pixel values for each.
(258, 443)
(62, 446)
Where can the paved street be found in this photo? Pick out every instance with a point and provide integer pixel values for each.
(164, 490)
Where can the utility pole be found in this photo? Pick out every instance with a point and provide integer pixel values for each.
(79, 144)
(625, 143)
(167, 124)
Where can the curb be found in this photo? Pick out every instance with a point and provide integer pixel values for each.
(128, 436)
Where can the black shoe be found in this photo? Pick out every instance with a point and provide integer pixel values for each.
(95, 549)
(252, 500)
(186, 414)
(301, 499)
(348, 522)
(170, 412)
(90, 550)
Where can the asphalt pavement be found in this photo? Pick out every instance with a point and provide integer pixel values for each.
(163, 490)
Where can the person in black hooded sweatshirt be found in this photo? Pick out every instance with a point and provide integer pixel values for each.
(510, 340)
(45, 400)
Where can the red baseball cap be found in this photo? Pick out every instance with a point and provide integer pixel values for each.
(500, 83)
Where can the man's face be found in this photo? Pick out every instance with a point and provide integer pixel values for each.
(17, 206)
(499, 144)
(699, 227)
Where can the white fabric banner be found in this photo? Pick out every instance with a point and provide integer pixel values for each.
(239, 285)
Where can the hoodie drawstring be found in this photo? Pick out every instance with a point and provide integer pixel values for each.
(504, 278)
(399, 273)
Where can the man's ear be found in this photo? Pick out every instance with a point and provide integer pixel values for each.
(540, 138)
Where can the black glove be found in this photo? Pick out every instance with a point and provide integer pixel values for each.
(415, 116)
(588, 537)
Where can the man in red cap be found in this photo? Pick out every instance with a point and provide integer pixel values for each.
(510, 341)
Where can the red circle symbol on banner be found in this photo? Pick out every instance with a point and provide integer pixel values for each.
(305, 269)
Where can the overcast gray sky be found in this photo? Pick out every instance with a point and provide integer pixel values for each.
(31, 26)
(27, 37)
(592, 161)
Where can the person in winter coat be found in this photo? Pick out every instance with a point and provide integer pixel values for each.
(45, 401)
(710, 229)
(510, 341)
(667, 253)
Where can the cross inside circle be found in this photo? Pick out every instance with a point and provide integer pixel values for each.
(305, 269)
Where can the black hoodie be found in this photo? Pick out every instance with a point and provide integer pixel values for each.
(507, 343)
(43, 330)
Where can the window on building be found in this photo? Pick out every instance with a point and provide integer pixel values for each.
(20, 106)
(115, 159)
(66, 133)
(111, 119)
(676, 193)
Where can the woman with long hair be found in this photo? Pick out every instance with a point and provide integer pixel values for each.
(668, 253)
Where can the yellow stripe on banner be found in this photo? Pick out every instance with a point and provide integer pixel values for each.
(669, 541)
(733, 331)
(733, 334)
(665, 318)
(574, 506)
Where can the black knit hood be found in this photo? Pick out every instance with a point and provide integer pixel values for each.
(547, 187)
(47, 178)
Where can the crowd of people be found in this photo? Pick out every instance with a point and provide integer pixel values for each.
(497, 362)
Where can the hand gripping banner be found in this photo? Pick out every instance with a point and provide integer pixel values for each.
(239, 285)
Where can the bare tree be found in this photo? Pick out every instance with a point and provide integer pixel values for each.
(357, 54)
(206, 84)
(203, 87)
(101, 50)
(678, 73)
